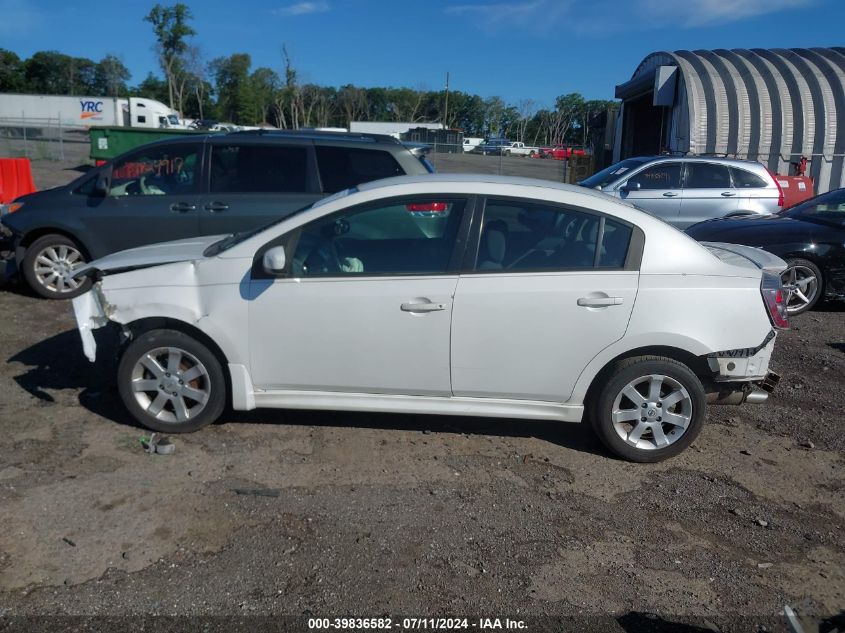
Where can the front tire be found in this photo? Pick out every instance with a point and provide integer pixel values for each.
(170, 382)
(806, 280)
(650, 408)
(48, 265)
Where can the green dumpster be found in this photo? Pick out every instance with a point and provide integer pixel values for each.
(108, 142)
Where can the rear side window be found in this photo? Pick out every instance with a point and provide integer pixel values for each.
(258, 169)
(529, 237)
(345, 167)
(746, 180)
(707, 176)
(616, 237)
(662, 176)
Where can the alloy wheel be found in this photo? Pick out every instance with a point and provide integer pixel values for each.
(652, 412)
(171, 384)
(54, 267)
(803, 286)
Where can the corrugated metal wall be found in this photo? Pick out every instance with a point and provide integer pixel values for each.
(773, 106)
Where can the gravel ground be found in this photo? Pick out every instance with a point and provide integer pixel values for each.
(273, 513)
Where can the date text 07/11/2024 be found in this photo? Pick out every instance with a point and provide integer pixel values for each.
(383, 623)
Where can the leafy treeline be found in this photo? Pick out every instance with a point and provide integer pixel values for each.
(230, 89)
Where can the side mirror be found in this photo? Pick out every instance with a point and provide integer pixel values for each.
(630, 186)
(103, 184)
(274, 260)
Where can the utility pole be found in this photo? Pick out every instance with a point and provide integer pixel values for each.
(446, 107)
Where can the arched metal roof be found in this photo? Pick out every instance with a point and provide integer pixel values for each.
(768, 105)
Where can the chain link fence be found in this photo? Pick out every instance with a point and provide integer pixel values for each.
(40, 139)
(447, 158)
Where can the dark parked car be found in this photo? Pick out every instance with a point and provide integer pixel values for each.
(492, 146)
(809, 236)
(186, 187)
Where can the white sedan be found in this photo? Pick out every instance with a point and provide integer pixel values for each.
(446, 294)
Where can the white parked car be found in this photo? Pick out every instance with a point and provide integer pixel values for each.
(446, 294)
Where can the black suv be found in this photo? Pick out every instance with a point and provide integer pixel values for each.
(193, 185)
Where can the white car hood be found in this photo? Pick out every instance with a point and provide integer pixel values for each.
(152, 255)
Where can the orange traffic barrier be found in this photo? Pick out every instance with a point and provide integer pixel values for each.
(15, 179)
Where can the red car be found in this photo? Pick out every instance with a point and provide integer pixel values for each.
(561, 152)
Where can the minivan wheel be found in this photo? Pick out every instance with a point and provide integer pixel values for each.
(170, 382)
(805, 282)
(48, 265)
(649, 409)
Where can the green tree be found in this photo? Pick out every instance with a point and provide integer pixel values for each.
(12, 76)
(152, 88)
(110, 76)
(171, 28)
(265, 85)
(46, 72)
(235, 101)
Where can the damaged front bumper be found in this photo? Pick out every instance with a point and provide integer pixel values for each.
(91, 312)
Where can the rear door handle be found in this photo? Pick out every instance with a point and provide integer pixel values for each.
(214, 207)
(182, 207)
(728, 194)
(599, 302)
(422, 307)
(670, 194)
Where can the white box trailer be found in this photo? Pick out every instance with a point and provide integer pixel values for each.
(22, 110)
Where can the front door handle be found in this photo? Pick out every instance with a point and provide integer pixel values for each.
(599, 302)
(670, 194)
(182, 207)
(728, 194)
(215, 207)
(422, 307)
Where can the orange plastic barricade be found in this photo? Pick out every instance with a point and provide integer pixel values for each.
(15, 179)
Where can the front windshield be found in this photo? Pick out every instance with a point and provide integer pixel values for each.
(612, 173)
(236, 238)
(828, 208)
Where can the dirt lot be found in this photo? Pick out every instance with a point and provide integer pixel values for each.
(332, 514)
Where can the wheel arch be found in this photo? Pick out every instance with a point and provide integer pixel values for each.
(697, 364)
(143, 325)
(40, 232)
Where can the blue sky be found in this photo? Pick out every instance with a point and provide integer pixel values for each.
(521, 49)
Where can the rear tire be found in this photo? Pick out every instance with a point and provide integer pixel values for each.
(170, 382)
(650, 408)
(48, 264)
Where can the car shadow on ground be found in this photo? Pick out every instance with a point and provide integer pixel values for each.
(57, 363)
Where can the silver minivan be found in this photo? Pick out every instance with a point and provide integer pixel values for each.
(687, 190)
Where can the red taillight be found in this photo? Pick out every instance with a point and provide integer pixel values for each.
(775, 299)
(781, 199)
(430, 207)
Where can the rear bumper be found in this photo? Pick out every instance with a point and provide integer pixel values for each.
(748, 364)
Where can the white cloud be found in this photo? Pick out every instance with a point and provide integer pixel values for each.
(536, 15)
(303, 8)
(697, 13)
(542, 16)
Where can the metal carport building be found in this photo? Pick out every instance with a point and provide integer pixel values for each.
(773, 106)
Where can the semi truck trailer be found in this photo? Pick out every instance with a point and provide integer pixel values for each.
(22, 110)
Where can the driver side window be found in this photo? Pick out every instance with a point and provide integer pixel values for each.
(158, 171)
(403, 237)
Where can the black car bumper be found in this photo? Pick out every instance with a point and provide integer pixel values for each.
(8, 261)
